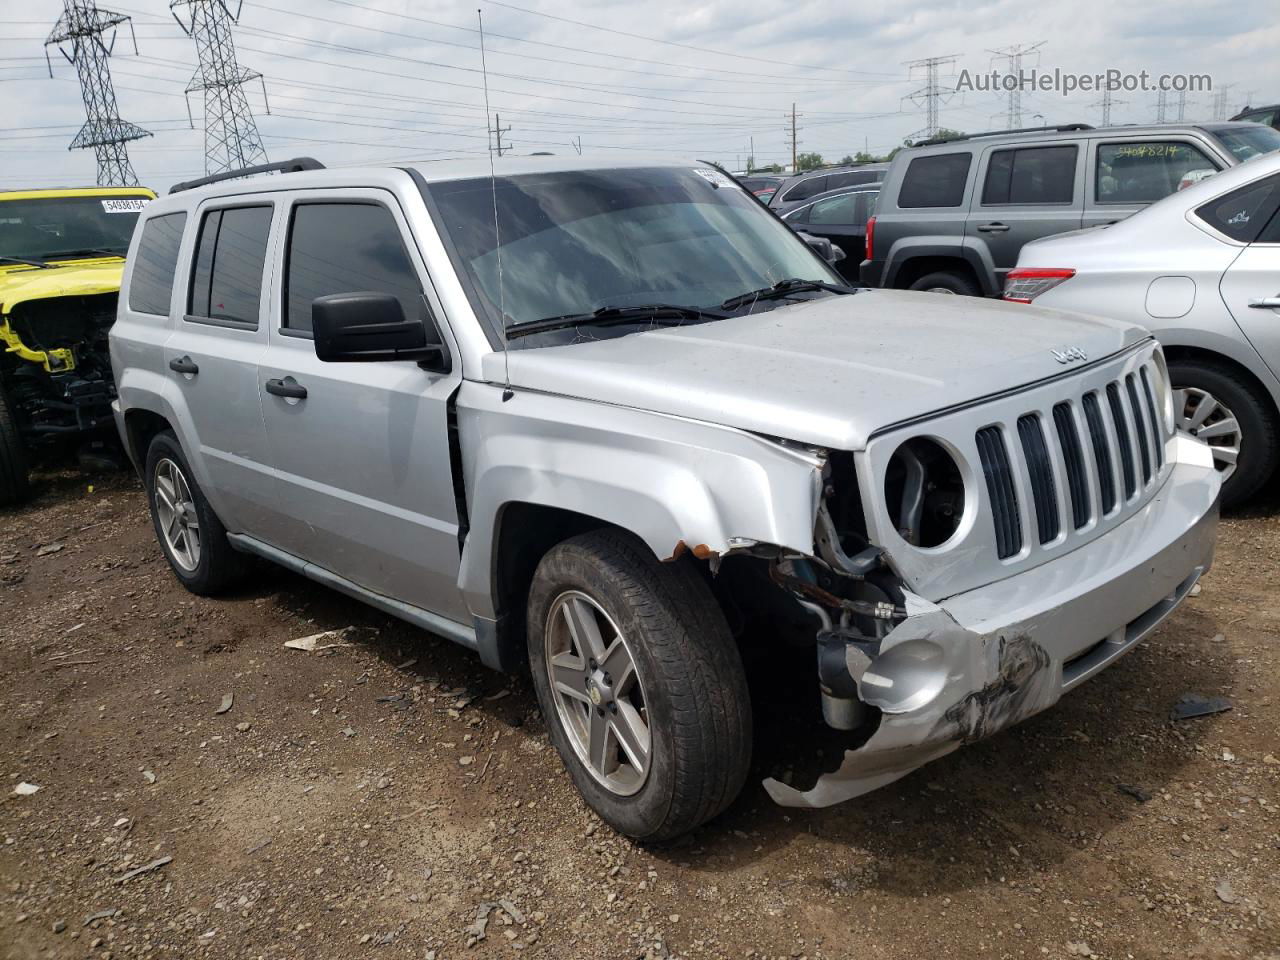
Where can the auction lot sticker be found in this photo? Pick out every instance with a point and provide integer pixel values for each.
(124, 205)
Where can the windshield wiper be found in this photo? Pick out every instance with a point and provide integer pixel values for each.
(100, 251)
(27, 261)
(783, 288)
(665, 313)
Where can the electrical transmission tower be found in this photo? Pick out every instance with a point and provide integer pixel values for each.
(231, 139)
(1220, 102)
(82, 26)
(1013, 56)
(1107, 103)
(931, 95)
(1182, 105)
(1162, 107)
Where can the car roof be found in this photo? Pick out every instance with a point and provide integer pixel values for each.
(837, 192)
(47, 194)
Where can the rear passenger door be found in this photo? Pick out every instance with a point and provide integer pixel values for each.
(1125, 175)
(212, 359)
(1025, 193)
(361, 449)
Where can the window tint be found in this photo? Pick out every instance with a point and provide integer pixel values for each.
(841, 210)
(1031, 175)
(936, 181)
(1242, 213)
(226, 282)
(1145, 172)
(151, 283)
(806, 189)
(1267, 116)
(343, 248)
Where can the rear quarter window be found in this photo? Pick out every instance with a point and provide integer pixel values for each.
(155, 263)
(936, 181)
(1242, 213)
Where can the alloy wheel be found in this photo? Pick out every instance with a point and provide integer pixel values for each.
(1202, 415)
(598, 692)
(176, 511)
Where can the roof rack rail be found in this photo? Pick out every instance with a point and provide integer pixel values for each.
(296, 165)
(1056, 128)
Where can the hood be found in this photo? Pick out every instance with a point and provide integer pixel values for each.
(827, 372)
(74, 278)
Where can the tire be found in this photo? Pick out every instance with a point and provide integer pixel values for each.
(213, 565)
(693, 691)
(943, 281)
(15, 482)
(1258, 447)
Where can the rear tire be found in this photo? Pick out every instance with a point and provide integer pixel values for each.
(15, 483)
(944, 281)
(192, 537)
(1236, 399)
(681, 676)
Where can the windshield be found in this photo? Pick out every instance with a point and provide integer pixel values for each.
(575, 242)
(55, 227)
(1246, 142)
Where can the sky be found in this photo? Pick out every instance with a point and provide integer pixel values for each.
(398, 81)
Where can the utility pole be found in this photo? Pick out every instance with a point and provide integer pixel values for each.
(82, 25)
(795, 143)
(498, 130)
(1106, 103)
(1013, 56)
(1162, 107)
(751, 153)
(931, 95)
(577, 145)
(231, 140)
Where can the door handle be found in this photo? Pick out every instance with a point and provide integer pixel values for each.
(1266, 303)
(183, 365)
(993, 227)
(289, 388)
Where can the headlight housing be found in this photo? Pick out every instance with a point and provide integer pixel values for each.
(924, 492)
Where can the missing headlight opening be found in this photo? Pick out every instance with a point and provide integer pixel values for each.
(924, 492)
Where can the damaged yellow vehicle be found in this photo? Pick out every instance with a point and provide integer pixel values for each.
(61, 257)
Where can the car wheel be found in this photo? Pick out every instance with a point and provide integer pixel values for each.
(1212, 403)
(945, 282)
(192, 537)
(15, 484)
(640, 683)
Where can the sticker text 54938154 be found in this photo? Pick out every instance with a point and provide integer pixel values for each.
(124, 204)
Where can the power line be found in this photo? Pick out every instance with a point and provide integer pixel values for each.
(931, 94)
(231, 140)
(83, 25)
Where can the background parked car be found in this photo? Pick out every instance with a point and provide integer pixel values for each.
(954, 214)
(763, 187)
(805, 186)
(841, 217)
(1268, 116)
(1201, 269)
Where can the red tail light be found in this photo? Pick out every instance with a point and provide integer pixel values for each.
(1026, 283)
(871, 238)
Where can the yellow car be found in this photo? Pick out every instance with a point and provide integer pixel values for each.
(61, 257)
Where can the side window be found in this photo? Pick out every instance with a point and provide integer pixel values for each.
(154, 265)
(936, 181)
(231, 251)
(1242, 213)
(806, 189)
(342, 248)
(1031, 175)
(1267, 117)
(835, 209)
(1145, 172)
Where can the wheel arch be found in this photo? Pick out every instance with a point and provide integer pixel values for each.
(1188, 353)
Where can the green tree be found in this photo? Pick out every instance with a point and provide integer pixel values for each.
(808, 161)
(847, 160)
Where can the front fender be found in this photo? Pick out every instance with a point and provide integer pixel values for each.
(676, 484)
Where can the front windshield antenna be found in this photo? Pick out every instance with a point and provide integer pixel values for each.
(507, 393)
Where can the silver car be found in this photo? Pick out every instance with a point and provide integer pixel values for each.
(612, 425)
(1201, 269)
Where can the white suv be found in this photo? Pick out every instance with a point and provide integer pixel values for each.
(612, 424)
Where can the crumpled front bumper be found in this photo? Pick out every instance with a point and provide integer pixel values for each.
(981, 661)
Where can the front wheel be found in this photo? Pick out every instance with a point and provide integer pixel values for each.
(641, 685)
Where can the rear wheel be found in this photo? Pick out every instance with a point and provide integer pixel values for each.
(640, 683)
(1215, 404)
(944, 281)
(192, 537)
(15, 484)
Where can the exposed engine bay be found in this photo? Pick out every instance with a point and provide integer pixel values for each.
(56, 365)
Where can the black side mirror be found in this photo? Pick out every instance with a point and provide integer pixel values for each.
(823, 247)
(372, 326)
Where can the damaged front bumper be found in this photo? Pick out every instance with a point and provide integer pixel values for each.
(955, 672)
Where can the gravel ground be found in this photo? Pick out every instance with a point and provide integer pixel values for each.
(389, 797)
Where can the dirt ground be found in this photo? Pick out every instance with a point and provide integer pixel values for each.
(382, 797)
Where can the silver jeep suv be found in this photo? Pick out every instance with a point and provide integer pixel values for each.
(618, 426)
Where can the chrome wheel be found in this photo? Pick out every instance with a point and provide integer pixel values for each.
(598, 691)
(1202, 415)
(946, 290)
(176, 513)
